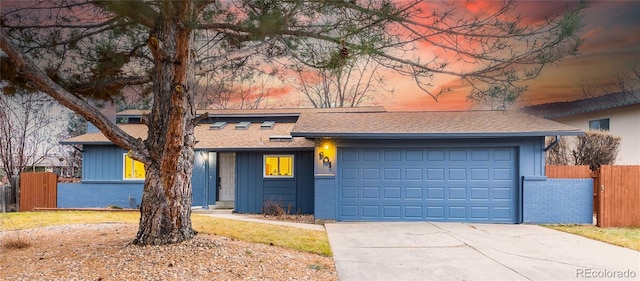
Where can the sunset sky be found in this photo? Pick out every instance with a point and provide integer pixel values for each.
(612, 43)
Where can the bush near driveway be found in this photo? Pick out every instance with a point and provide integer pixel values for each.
(288, 237)
(628, 237)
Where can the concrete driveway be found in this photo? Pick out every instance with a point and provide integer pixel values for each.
(462, 251)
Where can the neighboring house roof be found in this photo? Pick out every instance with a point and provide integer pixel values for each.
(226, 138)
(436, 124)
(52, 161)
(570, 108)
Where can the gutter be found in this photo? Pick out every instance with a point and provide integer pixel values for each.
(553, 144)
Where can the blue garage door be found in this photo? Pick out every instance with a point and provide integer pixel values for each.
(466, 184)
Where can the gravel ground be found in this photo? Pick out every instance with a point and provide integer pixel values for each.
(103, 252)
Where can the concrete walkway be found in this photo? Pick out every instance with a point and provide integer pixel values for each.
(232, 216)
(457, 251)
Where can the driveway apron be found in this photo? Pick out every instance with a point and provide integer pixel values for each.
(463, 251)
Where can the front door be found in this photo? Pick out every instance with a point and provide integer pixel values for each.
(227, 176)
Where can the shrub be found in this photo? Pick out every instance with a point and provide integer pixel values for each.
(558, 154)
(273, 208)
(596, 148)
(14, 243)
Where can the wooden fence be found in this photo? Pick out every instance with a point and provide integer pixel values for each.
(568, 172)
(619, 196)
(38, 190)
(616, 191)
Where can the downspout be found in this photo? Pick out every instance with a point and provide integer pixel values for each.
(553, 143)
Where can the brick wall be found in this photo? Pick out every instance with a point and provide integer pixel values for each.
(83, 195)
(565, 201)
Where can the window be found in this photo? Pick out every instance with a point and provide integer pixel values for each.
(133, 170)
(600, 124)
(278, 166)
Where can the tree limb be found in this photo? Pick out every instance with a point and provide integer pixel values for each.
(43, 82)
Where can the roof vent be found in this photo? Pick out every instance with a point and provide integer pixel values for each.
(282, 138)
(266, 125)
(243, 125)
(218, 125)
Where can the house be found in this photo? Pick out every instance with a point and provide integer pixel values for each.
(617, 113)
(349, 164)
(57, 164)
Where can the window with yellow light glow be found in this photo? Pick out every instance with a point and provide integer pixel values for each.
(133, 169)
(278, 166)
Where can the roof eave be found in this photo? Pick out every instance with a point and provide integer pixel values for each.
(85, 142)
(432, 135)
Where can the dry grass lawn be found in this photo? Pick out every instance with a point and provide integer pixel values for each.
(628, 237)
(96, 246)
(310, 241)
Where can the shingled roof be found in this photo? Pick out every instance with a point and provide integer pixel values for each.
(570, 108)
(264, 111)
(437, 124)
(226, 138)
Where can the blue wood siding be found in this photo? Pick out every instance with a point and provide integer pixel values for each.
(249, 182)
(102, 163)
(252, 189)
(304, 182)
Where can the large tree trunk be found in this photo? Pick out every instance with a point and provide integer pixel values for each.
(166, 200)
(165, 212)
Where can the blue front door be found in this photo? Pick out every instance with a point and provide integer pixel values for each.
(434, 184)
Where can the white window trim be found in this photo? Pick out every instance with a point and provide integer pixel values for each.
(264, 165)
(124, 169)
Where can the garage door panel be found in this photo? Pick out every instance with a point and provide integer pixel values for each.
(349, 192)
(480, 193)
(413, 212)
(413, 193)
(391, 211)
(413, 174)
(435, 174)
(502, 193)
(392, 193)
(370, 192)
(370, 174)
(480, 213)
(391, 174)
(457, 193)
(349, 174)
(505, 174)
(457, 174)
(370, 156)
(370, 211)
(414, 155)
(477, 184)
(503, 155)
(392, 155)
(457, 213)
(480, 174)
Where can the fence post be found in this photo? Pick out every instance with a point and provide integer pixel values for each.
(15, 192)
(3, 198)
